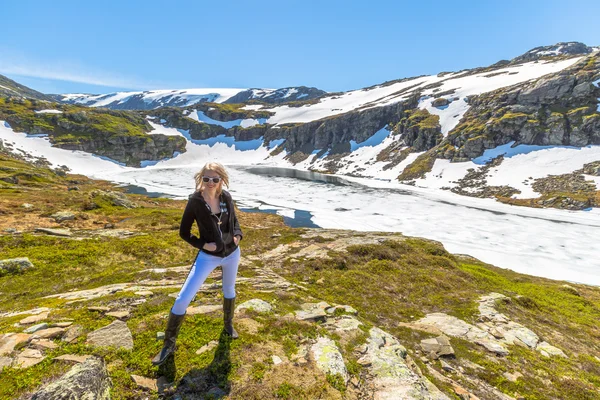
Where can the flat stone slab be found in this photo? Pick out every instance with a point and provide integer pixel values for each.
(63, 216)
(74, 358)
(36, 328)
(50, 333)
(207, 347)
(455, 327)
(257, 305)
(90, 294)
(9, 341)
(439, 345)
(116, 334)
(99, 308)
(28, 358)
(34, 311)
(43, 344)
(34, 319)
(312, 311)
(55, 232)
(145, 383)
(548, 350)
(119, 314)
(345, 323)
(203, 309)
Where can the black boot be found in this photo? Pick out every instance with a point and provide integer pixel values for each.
(228, 309)
(171, 333)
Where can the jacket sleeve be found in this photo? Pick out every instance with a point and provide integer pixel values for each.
(237, 231)
(185, 228)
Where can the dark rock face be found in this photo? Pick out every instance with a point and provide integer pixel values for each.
(130, 150)
(284, 95)
(88, 380)
(559, 109)
(333, 132)
(420, 130)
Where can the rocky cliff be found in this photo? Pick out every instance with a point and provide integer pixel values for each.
(561, 109)
(120, 135)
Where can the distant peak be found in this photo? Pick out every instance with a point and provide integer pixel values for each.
(555, 50)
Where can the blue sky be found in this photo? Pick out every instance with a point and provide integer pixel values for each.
(99, 47)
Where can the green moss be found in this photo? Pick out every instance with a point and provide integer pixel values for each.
(418, 168)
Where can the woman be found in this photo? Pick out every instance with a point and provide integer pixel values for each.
(212, 209)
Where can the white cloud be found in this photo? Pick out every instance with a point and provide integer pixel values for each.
(66, 71)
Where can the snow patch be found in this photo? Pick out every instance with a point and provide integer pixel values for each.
(374, 140)
(252, 107)
(48, 112)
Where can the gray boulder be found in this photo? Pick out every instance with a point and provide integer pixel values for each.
(88, 380)
(14, 265)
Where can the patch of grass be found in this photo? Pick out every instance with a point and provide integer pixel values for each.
(418, 168)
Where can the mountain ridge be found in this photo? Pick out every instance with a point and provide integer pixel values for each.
(548, 96)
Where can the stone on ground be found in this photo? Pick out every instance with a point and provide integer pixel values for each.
(88, 380)
(203, 309)
(116, 334)
(548, 350)
(28, 358)
(328, 358)
(312, 311)
(145, 383)
(15, 265)
(257, 305)
(10, 340)
(35, 328)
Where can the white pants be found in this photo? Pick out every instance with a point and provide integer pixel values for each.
(203, 266)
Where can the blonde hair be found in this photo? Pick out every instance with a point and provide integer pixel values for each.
(214, 167)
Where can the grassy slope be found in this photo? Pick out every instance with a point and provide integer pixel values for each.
(388, 283)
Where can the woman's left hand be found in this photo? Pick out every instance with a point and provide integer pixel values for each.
(236, 240)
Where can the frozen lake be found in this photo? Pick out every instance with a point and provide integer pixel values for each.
(551, 243)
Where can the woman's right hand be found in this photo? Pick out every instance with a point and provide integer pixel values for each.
(210, 246)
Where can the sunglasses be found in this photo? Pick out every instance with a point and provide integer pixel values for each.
(207, 179)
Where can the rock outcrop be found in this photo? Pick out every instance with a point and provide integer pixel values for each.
(558, 109)
(88, 380)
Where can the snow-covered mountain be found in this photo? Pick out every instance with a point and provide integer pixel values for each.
(525, 131)
(275, 96)
(148, 100)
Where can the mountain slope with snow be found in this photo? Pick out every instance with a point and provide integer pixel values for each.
(148, 100)
(542, 102)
